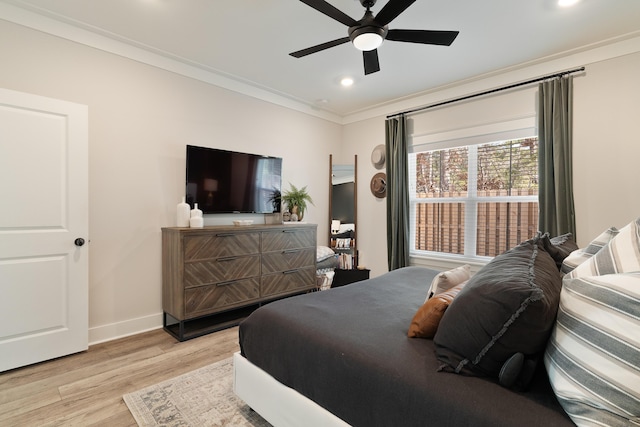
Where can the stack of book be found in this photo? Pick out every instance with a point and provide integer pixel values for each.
(345, 261)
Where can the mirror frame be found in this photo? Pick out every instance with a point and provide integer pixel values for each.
(355, 204)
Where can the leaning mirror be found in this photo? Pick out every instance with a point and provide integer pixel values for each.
(343, 212)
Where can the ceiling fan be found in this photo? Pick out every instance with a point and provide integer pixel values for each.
(368, 33)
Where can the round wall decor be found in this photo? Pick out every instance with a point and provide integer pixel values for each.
(378, 157)
(379, 185)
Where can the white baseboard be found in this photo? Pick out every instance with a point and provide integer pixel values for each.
(125, 328)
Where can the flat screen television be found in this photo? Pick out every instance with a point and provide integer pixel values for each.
(222, 181)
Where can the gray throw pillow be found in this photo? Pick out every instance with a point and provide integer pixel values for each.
(560, 247)
(579, 256)
(508, 307)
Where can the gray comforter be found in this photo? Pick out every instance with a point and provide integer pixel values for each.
(347, 349)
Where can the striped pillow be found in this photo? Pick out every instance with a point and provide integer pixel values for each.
(620, 255)
(579, 256)
(593, 356)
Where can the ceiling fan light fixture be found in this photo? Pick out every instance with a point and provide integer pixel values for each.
(367, 41)
(367, 37)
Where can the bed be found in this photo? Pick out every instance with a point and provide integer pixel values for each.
(342, 357)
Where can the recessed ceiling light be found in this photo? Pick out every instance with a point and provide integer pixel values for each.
(567, 3)
(346, 81)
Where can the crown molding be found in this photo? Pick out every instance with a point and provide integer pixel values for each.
(128, 49)
(607, 49)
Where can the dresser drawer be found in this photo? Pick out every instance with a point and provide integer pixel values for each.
(288, 282)
(288, 259)
(199, 273)
(213, 298)
(288, 239)
(213, 277)
(222, 244)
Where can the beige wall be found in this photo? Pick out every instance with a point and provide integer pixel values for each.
(606, 151)
(607, 145)
(140, 119)
(360, 139)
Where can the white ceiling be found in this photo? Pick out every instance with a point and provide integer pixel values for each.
(249, 40)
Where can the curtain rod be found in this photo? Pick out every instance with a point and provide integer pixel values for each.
(487, 92)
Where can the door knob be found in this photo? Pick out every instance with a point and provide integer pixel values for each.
(79, 241)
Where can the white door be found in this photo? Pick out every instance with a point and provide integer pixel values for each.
(43, 210)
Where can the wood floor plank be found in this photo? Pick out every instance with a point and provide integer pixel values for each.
(31, 402)
(86, 389)
(95, 412)
(55, 380)
(94, 355)
(119, 416)
(126, 378)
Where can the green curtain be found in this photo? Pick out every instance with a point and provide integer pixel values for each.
(397, 193)
(555, 171)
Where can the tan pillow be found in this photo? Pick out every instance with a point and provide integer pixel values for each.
(426, 320)
(448, 279)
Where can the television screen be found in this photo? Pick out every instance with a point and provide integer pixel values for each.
(221, 181)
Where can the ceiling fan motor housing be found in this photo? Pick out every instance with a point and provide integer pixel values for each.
(367, 25)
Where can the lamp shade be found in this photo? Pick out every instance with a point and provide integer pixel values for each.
(210, 184)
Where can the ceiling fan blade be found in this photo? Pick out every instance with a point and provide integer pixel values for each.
(329, 10)
(371, 64)
(318, 48)
(443, 38)
(391, 10)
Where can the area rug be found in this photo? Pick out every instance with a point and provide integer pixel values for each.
(203, 397)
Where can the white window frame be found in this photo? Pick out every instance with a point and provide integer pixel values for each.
(518, 128)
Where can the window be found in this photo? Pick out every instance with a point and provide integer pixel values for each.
(474, 200)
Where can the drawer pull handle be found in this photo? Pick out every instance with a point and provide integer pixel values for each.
(290, 271)
(290, 251)
(288, 231)
(225, 235)
(230, 282)
(229, 258)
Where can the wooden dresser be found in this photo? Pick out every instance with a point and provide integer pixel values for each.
(214, 277)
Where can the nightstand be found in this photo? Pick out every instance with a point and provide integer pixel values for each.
(345, 277)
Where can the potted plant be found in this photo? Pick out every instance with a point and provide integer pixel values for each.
(296, 200)
(275, 199)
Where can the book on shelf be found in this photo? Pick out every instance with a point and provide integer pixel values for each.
(345, 261)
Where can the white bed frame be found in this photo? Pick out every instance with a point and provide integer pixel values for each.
(280, 405)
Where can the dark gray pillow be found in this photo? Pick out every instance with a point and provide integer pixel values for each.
(508, 307)
(560, 247)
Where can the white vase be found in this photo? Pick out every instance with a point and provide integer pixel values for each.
(195, 212)
(196, 220)
(183, 214)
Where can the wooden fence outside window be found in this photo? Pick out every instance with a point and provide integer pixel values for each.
(440, 226)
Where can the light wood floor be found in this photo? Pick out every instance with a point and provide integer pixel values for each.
(86, 389)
